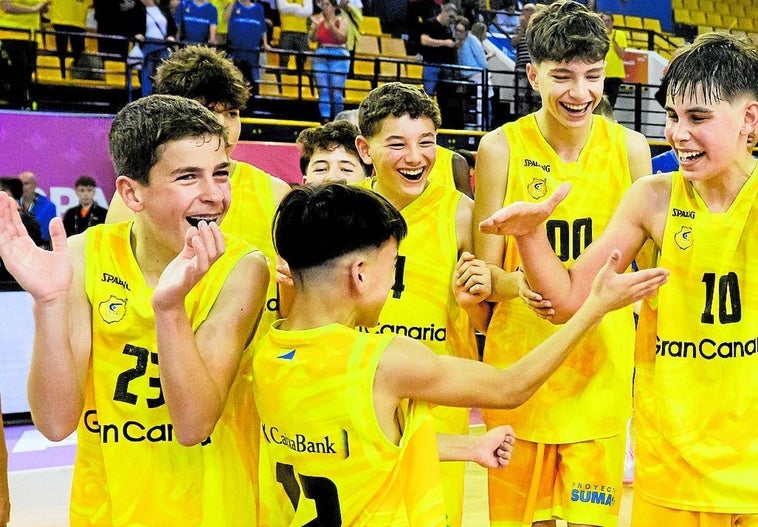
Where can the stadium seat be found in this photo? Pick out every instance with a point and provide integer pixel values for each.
(367, 45)
(652, 24)
(371, 25)
(393, 47)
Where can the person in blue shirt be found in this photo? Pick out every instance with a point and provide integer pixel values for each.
(471, 54)
(197, 21)
(36, 204)
(246, 34)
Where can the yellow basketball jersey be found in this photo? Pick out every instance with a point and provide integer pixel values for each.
(442, 171)
(129, 469)
(294, 23)
(69, 12)
(697, 360)
(21, 21)
(329, 461)
(250, 217)
(589, 396)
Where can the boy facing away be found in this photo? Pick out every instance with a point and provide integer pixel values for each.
(140, 326)
(571, 434)
(398, 124)
(696, 428)
(345, 423)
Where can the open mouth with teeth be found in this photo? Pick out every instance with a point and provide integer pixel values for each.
(195, 220)
(690, 156)
(412, 175)
(576, 108)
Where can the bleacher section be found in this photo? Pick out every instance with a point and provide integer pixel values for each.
(736, 16)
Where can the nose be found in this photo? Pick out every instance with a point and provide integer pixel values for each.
(413, 154)
(579, 89)
(677, 130)
(211, 190)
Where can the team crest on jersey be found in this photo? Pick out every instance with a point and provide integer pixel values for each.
(683, 238)
(537, 188)
(112, 310)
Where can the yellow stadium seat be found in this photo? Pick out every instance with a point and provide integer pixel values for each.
(8, 33)
(371, 25)
(652, 24)
(714, 19)
(633, 22)
(690, 5)
(730, 21)
(618, 20)
(698, 18)
(367, 45)
(677, 4)
(682, 16)
(356, 90)
(363, 66)
(393, 47)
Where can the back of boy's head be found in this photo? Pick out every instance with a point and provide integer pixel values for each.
(204, 74)
(395, 99)
(85, 181)
(722, 65)
(327, 137)
(565, 31)
(316, 224)
(141, 127)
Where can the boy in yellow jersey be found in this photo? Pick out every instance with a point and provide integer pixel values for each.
(140, 327)
(328, 154)
(696, 428)
(345, 423)
(571, 434)
(398, 123)
(209, 77)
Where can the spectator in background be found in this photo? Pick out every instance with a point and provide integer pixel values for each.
(479, 30)
(293, 17)
(110, 16)
(36, 204)
(614, 60)
(331, 63)
(353, 11)
(246, 37)
(438, 47)
(506, 20)
(471, 54)
(527, 99)
(69, 19)
(15, 189)
(154, 25)
(87, 213)
(197, 21)
(22, 14)
(328, 154)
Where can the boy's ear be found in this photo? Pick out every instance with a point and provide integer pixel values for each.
(531, 75)
(357, 280)
(751, 118)
(361, 144)
(131, 192)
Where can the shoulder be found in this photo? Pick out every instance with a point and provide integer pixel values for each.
(494, 139)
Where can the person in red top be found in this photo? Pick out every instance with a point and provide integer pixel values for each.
(332, 60)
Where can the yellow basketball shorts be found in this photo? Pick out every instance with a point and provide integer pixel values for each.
(576, 482)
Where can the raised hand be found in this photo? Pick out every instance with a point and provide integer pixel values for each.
(521, 218)
(495, 447)
(46, 275)
(612, 288)
(472, 281)
(203, 245)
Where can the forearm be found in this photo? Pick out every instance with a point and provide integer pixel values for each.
(15, 9)
(505, 285)
(55, 384)
(479, 315)
(456, 447)
(193, 398)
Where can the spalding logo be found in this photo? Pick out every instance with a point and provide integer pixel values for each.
(537, 188)
(683, 238)
(112, 310)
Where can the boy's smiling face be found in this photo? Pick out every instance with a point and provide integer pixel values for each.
(403, 153)
(188, 183)
(569, 90)
(709, 137)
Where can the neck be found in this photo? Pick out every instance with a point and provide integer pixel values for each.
(397, 198)
(151, 255)
(718, 193)
(566, 142)
(315, 306)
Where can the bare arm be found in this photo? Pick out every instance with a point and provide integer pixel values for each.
(197, 369)
(471, 279)
(426, 40)
(461, 175)
(638, 153)
(641, 215)
(490, 450)
(16, 9)
(408, 369)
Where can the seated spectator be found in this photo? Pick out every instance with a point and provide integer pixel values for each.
(87, 213)
(328, 154)
(36, 204)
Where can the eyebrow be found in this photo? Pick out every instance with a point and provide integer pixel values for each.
(181, 170)
(570, 71)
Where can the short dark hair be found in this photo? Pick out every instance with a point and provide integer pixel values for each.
(328, 137)
(565, 31)
(722, 65)
(204, 74)
(12, 185)
(145, 124)
(395, 99)
(85, 181)
(316, 224)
